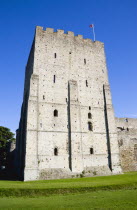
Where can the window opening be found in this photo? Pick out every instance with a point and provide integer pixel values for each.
(54, 78)
(91, 151)
(55, 55)
(89, 116)
(89, 107)
(84, 61)
(56, 151)
(55, 113)
(86, 83)
(43, 97)
(90, 128)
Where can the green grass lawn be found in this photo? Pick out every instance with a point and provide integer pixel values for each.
(108, 192)
(121, 199)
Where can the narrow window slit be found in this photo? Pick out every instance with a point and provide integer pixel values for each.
(91, 151)
(90, 128)
(56, 151)
(54, 78)
(89, 116)
(55, 113)
(86, 83)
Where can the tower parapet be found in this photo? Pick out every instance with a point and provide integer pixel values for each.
(40, 30)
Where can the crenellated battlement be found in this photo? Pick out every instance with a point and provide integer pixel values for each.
(68, 34)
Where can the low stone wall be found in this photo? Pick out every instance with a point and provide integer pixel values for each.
(127, 139)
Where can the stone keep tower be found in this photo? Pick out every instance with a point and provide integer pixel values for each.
(67, 124)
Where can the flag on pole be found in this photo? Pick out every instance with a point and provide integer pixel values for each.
(92, 26)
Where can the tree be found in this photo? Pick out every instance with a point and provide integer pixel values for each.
(6, 137)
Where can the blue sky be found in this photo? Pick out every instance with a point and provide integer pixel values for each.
(115, 25)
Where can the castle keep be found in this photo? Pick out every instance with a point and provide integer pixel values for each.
(67, 126)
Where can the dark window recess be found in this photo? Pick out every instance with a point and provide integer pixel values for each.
(91, 151)
(55, 55)
(55, 113)
(54, 78)
(84, 61)
(86, 83)
(66, 99)
(70, 53)
(90, 127)
(43, 97)
(89, 116)
(89, 107)
(56, 151)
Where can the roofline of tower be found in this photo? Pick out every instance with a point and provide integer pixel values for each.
(68, 33)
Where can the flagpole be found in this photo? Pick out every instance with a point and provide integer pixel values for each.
(94, 33)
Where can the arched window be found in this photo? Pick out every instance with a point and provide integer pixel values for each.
(55, 113)
(90, 128)
(91, 151)
(56, 151)
(89, 116)
(89, 107)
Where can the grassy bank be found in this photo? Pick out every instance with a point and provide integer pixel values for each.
(68, 186)
(121, 199)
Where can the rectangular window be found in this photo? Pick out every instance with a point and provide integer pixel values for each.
(90, 127)
(91, 151)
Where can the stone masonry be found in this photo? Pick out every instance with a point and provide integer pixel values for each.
(127, 139)
(67, 126)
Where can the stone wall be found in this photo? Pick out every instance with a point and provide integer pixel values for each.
(127, 138)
